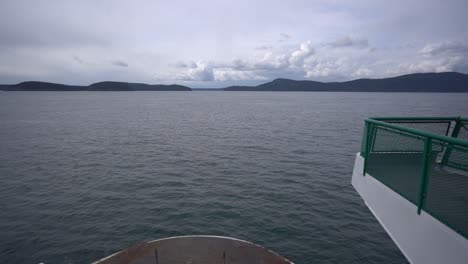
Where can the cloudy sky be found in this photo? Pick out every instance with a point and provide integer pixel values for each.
(218, 43)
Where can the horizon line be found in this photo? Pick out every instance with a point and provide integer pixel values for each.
(215, 88)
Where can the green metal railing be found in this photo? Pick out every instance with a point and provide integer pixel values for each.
(425, 160)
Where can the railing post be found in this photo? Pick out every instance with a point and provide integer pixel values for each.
(424, 173)
(455, 132)
(369, 135)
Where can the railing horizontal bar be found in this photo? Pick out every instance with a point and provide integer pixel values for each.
(414, 121)
(413, 131)
(443, 118)
(389, 130)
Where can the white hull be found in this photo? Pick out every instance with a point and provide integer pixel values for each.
(421, 238)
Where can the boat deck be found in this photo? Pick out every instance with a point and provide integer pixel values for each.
(446, 189)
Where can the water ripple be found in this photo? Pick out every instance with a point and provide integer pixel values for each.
(81, 181)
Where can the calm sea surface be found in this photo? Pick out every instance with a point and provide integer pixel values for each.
(85, 174)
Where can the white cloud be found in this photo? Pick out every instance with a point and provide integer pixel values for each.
(298, 57)
(325, 64)
(283, 63)
(271, 61)
(302, 62)
(326, 68)
(351, 39)
(362, 72)
(200, 71)
(450, 48)
(232, 75)
(439, 57)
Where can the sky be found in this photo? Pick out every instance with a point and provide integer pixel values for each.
(221, 43)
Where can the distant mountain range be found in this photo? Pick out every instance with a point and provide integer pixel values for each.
(100, 86)
(417, 82)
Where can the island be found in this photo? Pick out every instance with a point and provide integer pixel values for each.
(452, 82)
(100, 86)
(444, 82)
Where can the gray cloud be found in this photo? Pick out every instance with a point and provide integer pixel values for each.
(264, 47)
(346, 42)
(77, 42)
(185, 65)
(78, 59)
(284, 37)
(45, 33)
(180, 64)
(119, 63)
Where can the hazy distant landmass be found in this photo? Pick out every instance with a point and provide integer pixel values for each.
(101, 86)
(4, 86)
(417, 82)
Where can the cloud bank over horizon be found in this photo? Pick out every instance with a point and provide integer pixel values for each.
(217, 43)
